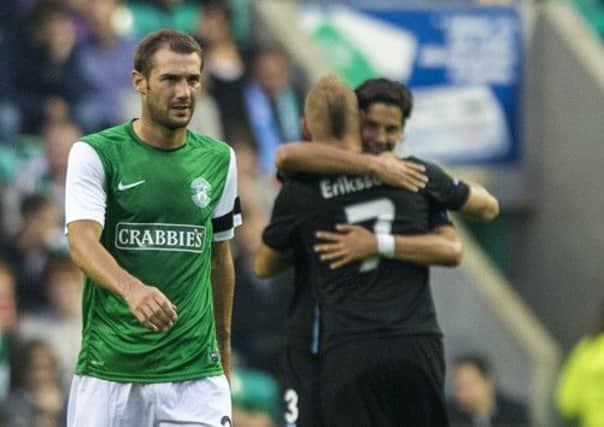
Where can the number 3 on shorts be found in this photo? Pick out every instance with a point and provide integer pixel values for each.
(291, 400)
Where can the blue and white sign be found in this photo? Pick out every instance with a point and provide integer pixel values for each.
(462, 63)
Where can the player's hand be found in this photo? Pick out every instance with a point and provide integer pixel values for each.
(150, 306)
(399, 173)
(351, 243)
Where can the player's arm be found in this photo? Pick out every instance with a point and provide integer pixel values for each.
(225, 218)
(322, 159)
(269, 262)
(441, 246)
(150, 306)
(469, 198)
(278, 236)
(85, 210)
(352, 243)
(480, 205)
(223, 289)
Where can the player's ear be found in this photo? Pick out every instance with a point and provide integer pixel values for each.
(305, 131)
(139, 82)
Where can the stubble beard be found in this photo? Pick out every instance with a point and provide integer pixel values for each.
(161, 115)
(163, 118)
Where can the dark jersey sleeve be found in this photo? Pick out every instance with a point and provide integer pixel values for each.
(286, 217)
(447, 192)
(438, 218)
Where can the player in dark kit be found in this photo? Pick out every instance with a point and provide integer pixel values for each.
(300, 366)
(385, 106)
(378, 311)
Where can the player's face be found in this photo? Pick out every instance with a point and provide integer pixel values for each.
(381, 127)
(173, 85)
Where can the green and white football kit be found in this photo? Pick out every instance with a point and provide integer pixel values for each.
(160, 211)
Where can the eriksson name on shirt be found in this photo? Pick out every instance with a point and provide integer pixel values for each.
(342, 185)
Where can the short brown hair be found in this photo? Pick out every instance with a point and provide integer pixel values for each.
(331, 109)
(175, 40)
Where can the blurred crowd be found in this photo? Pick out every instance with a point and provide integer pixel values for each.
(64, 72)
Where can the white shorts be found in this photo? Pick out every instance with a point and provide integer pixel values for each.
(98, 403)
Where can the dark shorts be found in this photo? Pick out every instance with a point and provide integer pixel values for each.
(300, 378)
(385, 382)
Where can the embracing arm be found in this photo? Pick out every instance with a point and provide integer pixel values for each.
(441, 246)
(223, 288)
(323, 159)
(150, 306)
(481, 204)
(469, 198)
(352, 243)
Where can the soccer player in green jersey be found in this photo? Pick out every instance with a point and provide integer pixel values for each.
(150, 209)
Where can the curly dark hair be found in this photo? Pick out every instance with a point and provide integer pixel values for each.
(387, 92)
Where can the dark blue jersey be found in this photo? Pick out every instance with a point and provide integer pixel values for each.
(374, 297)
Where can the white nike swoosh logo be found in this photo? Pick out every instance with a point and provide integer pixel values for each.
(122, 187)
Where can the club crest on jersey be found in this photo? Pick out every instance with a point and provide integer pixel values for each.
(201, 192)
